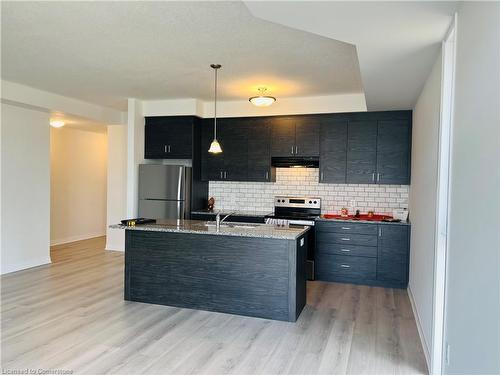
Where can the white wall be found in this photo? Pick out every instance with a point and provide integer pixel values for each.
(473, 277)
(117, 185)
(423, 198)
(25, 192)
(78, 184)
(259, 196)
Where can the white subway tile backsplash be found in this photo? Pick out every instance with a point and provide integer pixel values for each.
(231, 195)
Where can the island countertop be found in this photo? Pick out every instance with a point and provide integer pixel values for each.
(226, 229)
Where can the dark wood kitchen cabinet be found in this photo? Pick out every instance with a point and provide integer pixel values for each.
(245, 153)
(393, 152)
(361, 151)
(295, 136)
(169, 137)
(362, 253)
(333, 151)
(259, 151)
(283, 137)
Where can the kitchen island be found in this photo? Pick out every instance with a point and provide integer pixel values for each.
(255, 270)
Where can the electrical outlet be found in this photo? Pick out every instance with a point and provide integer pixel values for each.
(301, 242)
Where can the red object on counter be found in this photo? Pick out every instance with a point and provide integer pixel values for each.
(360, 217)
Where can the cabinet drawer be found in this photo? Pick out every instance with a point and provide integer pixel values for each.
(346, 227)
(394, 272)
(347, 250)
(347, 238)
(331, 266)
(394, 237)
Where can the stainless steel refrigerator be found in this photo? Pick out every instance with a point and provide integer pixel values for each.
(164, 191)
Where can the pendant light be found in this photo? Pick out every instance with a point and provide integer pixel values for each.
(215, 145)
(262, 100)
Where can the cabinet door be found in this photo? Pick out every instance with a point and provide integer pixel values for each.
(155, 138)
(180, 138)
(393, 152)
(259, 150)
(361, 152)
(233, 140)
(283, 137)
(168, 137)
(333, 151)
(307, 131)
(393, 254)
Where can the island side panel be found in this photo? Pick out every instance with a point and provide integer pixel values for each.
(297, 254)
(239, 275)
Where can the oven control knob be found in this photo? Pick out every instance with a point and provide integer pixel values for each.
(311, 202)
(315, 202)
(282, 201)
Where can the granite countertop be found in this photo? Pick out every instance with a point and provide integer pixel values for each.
(233, 213)
(365, 221)
(233, 229)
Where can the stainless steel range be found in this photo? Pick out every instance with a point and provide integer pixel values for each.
(295, 210)
(290, 211)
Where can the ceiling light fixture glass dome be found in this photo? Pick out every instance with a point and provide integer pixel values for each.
(262, 100)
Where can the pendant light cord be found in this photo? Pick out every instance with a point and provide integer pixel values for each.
(215, 106)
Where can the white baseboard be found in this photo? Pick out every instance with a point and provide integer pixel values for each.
(25, 265)
(80, 237)
(114, 247)
(420, 330)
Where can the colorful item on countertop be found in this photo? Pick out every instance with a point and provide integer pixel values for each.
(344, 212)
(211, 203)
(137, 221)
(364, 217)
(371, 213)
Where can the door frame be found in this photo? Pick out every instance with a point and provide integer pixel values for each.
(439, 355)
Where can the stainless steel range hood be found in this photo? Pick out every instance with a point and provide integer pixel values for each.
(295, 162)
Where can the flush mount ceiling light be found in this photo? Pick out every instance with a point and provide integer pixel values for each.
(57, 123)
(215, 145)
(262, 100)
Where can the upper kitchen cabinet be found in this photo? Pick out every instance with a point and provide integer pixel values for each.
(393, 152)
(283, 136)
(361, 151)
(307, 130)
(169, 137)
(295, 136)
(259, 151)
(333, 151)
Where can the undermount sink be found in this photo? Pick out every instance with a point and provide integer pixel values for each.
(229, 225)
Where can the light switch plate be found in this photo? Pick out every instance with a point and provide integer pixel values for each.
(302, 241)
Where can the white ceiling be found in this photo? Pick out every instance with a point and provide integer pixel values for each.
(105, 52)
(79, 123)
(397, 42)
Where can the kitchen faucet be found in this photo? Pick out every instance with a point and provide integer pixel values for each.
(218, 220)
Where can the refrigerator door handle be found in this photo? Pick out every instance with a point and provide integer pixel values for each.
(179, 191)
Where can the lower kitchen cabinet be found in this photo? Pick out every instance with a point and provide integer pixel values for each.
(363, 253)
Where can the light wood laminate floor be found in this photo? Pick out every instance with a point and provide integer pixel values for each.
(71, 315)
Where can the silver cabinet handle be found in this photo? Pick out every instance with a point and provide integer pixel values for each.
(221, 174)
(267, 175)
(346, 228)
(345, 239)
(322, 176)
(380, 231)
(345, 266)
(296, 150)
(168, 148)
(378, 177)
(345, 250)
(292, 150)
(225, 174)
(373, 176)
(165, 149)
